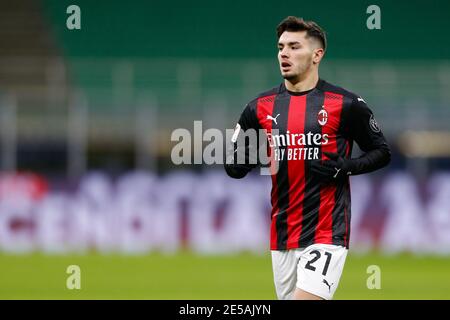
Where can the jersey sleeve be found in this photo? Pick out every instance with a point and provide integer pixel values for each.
(365, 130)
(248, 119)
(240, 146)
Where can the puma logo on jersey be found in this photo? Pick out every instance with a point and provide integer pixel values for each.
(269, 117)
(327, 284)
(361, 99)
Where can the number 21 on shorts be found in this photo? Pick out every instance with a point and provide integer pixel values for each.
(316, 256)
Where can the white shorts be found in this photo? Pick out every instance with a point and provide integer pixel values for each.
(315, 269)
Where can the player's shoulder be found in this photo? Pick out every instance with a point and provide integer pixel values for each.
(270, 93)
(266, 96)
(334, 89)
(355, 105)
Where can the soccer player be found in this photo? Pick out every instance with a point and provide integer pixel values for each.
(310, 126)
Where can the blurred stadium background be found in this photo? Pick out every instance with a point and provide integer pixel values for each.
(85, 123)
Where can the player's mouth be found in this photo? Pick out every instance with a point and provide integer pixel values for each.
(285, 66)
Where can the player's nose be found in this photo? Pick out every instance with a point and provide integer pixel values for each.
(284, 55)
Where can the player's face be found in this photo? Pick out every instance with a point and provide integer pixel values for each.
(295, 54)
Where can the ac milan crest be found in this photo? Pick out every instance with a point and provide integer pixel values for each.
(322, 116)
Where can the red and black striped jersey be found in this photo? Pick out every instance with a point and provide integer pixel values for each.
(300, 127)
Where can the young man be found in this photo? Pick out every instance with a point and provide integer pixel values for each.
(310, 127)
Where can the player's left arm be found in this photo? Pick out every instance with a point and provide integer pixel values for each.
(362, 128)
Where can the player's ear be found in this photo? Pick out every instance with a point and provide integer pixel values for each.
(317, 55)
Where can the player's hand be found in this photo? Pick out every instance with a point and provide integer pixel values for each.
(334, 169)
(242, 155)
(240, 160)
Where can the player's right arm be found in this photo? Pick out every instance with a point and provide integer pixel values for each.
(241, 151)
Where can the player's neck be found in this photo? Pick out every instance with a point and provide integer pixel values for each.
(302, 84)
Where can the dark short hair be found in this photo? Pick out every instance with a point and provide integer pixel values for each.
(312, 29)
